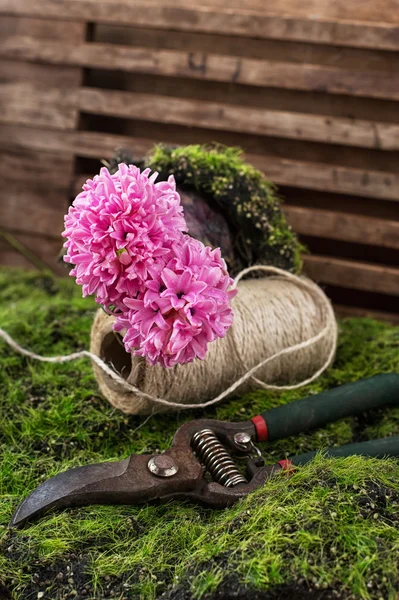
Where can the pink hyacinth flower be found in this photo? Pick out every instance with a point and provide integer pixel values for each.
(119, 232)
(182, 308)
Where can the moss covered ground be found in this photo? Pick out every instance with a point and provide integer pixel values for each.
(329, 531)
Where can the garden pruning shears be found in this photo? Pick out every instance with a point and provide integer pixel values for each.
(200, 465)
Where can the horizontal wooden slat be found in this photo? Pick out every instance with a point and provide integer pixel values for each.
(36, 248)
(35, 169)
(343, 226)
(35, 191)
(265, 98)
(29, 209)
(227, 117)
(328, 178)
(254, 48)
(308, 77)
(41, 29)
(354, 275)
(294, 173)
(43, 76)
(264, 24)
(313, 9)
(38, 95)
(88, 144)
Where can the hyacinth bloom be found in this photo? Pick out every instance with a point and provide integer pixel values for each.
(170, 293)
(119, 229)
(177, 313)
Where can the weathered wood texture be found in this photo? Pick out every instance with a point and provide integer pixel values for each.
(309, 90)
(31, 252)
(353, 24)
(36, 182)
(36, 189)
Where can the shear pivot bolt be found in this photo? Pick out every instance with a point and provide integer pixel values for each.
(242, 438)
(163, 466)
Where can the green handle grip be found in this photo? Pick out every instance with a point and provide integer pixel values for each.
(343, 401)
(377, 448)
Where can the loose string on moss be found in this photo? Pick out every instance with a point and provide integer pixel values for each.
(328, 333)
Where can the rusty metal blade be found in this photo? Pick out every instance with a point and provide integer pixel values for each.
(127, 481)
(90, 484)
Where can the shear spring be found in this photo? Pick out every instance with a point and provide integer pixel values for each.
(216, 459)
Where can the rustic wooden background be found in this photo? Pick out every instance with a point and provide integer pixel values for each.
(310, 91)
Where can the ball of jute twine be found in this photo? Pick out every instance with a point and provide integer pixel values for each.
(283, 336)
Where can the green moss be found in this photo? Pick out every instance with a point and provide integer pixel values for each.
(249, 201)
(333, 524)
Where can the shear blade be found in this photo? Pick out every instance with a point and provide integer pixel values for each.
(93, 484)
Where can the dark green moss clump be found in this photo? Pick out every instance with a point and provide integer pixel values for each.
(331, 531)
(249, 202)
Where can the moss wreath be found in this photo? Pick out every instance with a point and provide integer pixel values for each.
(234, 190)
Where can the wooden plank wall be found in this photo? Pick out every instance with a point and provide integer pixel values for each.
(309, 90)
(35, 97)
